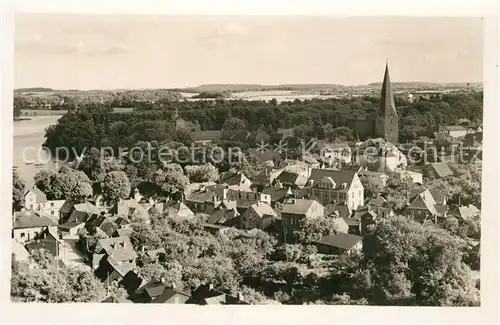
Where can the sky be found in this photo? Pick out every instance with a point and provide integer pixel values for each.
(69, 51)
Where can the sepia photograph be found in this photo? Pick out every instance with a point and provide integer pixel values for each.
(247, 160)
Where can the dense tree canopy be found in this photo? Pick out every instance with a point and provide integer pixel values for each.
(65, 183)
(18, 189)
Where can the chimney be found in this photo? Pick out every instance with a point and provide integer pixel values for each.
(162, 280)
(137, 195)
(344, 186)
(173, 285)
(211, 287)
(240, 296)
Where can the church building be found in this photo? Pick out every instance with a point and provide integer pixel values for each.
(385, 125)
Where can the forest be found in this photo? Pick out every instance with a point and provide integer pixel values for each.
(98, 125)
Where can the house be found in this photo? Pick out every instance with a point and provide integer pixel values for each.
(424, 207)
(340, 209)
(341, 225)
(207, 136)
(226, 216)
(179, 209)
(437, 194)
(278, 194)
(77, 212)
(380, 206)
(35, 199)
(153, 256)
(263, 157)
(119, 247)
(290, 179)
(157, 291)
(131, 209)
(19, 251)
(215, 229)
(71, 228)
(336, 151)
(404, 174)
(332, 186)
(340, 243)
(464, 212)
(132, 281)
(208, 295)
(48, 240)
(377, 178)
(380, 152)
(311, 161)
(110, 270)
(28, 225)
(260, 215)
(438, 170)
(454, 131)
(366, 217)
(294, 210)
(236, 180)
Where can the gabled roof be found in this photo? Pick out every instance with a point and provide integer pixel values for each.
(87, 207)
(465, 212)
(235, 179)
(31, 219)
(288, 177)
(40, 196)
(222, 216)
(441, 169)
(339, 177)
(424, 202)
(340, 240)
(180, 209)
(20, 252)
(120, 248)
(297, 206)
(263, 209)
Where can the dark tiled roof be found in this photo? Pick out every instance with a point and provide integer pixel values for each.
(277, 193)
(441, 169)
(338, 176)
(235, 179)
(340, 240)
(31, 219)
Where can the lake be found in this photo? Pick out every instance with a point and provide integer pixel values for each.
(29, 136)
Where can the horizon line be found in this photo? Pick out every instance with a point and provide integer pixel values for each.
(264, 85)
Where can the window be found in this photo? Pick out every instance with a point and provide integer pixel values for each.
(23, 234)
(36, 233)
(52, 212)
(51, 204)
(177, 300)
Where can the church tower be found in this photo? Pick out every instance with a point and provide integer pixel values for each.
(386, 122)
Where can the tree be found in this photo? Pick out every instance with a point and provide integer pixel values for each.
(202, 173)
(171, 179)
(407, 260)
(43, 282)
(312, 229)
(18, 189)
(116, 185)
(66, 183)
(234, 123)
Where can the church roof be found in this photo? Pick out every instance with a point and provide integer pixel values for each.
(387, 105)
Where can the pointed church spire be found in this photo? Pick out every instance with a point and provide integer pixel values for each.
(387, 119)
